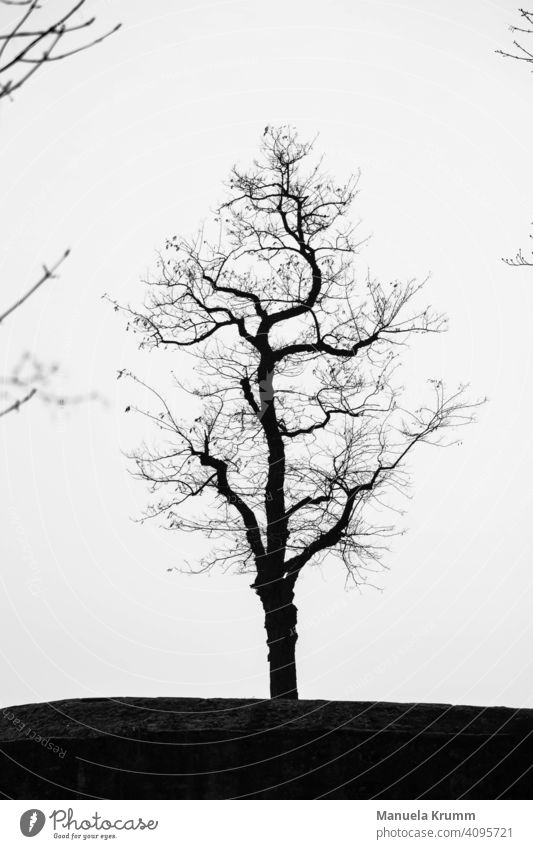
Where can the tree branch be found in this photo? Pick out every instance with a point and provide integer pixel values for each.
(48, 274)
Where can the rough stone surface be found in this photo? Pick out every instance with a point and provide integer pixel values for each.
(235, 748)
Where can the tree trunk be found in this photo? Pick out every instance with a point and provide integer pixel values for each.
(280, 625)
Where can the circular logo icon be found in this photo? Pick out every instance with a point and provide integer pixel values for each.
(32, 822)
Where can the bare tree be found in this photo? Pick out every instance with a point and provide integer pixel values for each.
(525, 55)
(301, 432)
(32, 39)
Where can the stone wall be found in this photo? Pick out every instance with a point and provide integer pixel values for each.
(233, 748)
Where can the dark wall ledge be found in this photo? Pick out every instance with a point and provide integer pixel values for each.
(167, 748)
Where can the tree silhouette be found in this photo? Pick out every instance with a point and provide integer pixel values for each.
(301, 430)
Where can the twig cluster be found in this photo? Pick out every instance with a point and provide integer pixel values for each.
(32, 41)
(28, 42)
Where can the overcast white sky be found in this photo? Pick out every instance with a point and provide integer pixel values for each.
(120, 147)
